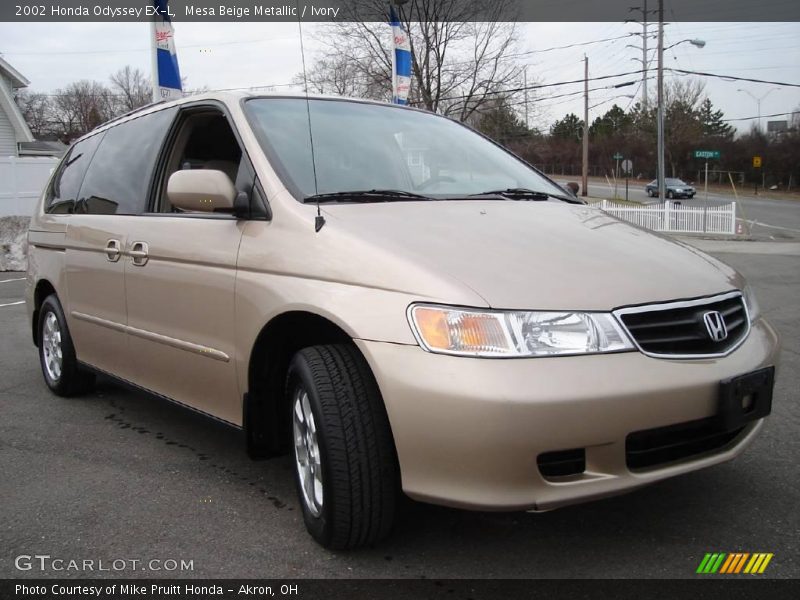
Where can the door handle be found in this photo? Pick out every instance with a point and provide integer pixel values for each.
(139, 254)
(113, 250)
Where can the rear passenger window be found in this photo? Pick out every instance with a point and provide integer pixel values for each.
(118, 180)
(63, 190)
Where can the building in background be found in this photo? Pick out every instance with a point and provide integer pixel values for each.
(13, 128)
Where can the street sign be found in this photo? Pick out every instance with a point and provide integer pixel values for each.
(627, 165)
(707, 154)
(757, 162)
(617, 156)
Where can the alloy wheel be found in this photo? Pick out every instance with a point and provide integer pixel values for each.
(308, 460)
(51, 346)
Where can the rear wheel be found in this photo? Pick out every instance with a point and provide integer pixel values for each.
(345, 465)
(60, 368)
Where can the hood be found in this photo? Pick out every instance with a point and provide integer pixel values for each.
(533, 255)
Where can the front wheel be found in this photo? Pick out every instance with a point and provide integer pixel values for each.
(345, 464)
(62, 373)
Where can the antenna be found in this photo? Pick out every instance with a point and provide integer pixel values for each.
(319, 221)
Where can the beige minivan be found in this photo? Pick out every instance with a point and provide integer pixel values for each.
(394, 299)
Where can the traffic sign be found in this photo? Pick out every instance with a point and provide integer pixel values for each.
(627, 165)
(707, 154)
(757, 162)
(617, 156)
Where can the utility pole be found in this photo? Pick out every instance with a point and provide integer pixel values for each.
(645, 34)
(525, 91)
(644, 55)
(585, 161)
(660, 119)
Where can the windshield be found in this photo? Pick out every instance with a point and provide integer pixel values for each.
(674, 182)
(359, 146)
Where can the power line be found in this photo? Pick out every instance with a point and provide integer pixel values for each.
(762, 116)
(731, 77)
(546, 85)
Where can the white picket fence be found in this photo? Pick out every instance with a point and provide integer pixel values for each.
(21, 183)
(676, 217)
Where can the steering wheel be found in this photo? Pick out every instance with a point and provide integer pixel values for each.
(432, 180)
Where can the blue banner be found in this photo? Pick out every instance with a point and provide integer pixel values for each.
(401, 64)
(166, 74)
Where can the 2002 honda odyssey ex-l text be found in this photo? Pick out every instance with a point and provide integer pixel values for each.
(395, 300)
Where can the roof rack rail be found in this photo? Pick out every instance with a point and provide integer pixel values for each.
(129, 113)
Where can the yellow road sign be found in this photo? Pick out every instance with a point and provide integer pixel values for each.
(756, 162)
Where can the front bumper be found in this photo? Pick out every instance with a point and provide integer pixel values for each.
(468, 431)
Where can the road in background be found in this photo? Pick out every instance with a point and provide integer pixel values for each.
(764, 218)
(119, 474)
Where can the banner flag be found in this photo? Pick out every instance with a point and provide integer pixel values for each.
(401, 63)
(166, 74)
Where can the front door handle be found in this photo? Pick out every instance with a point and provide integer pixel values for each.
(113, 250)
(139, 254)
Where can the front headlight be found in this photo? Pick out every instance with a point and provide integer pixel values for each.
(750, 302)
(499, 334)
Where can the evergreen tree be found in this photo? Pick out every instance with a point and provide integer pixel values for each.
(568, 128)
(712, 121)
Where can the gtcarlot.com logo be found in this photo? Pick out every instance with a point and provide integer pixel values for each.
(734, 563)
(45, 562)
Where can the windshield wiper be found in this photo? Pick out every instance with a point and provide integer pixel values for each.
(366, 196)
(526, 194)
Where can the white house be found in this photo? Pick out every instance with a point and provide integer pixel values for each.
(13, 129)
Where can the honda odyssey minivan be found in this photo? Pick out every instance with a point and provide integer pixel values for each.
(396, 301)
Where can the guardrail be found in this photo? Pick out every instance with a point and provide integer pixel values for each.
(676, 217)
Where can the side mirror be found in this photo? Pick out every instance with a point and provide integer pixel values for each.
(573, 187)
(204, 190)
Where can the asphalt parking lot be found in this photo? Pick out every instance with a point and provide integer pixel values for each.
(121, 475)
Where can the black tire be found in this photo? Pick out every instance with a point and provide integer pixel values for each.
(70, 379)
(359, 472)
(670, 195)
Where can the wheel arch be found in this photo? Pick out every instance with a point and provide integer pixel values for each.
(266, 431)
(42, 290)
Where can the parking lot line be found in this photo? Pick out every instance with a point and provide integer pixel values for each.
(17, 279)
(12, 303)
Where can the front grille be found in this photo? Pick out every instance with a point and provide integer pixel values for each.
(679, 328)
(653, 447)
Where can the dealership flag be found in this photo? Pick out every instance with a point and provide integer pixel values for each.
(166, 75)
(401, 63)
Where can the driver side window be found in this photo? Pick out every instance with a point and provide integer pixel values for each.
(204, 140)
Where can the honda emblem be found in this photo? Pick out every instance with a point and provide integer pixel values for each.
(715, 325)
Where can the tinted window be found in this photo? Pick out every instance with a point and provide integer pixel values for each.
(64, 187)
(118, 179)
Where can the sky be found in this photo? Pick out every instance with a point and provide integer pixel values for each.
(244, 55)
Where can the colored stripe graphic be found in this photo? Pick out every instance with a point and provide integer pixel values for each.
(728, 562)
(734, 563)
(767, 558)
(740, 564)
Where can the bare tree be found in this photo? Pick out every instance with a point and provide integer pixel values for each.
(35, 108)
(459, 63)
(338, 76)
(132, 88)
(80, 107)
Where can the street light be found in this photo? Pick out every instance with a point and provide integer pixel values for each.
(697, 43)
(758, 100)
(660, 117)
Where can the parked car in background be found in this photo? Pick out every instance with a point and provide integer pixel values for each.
(674, 188)
(409, 307)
